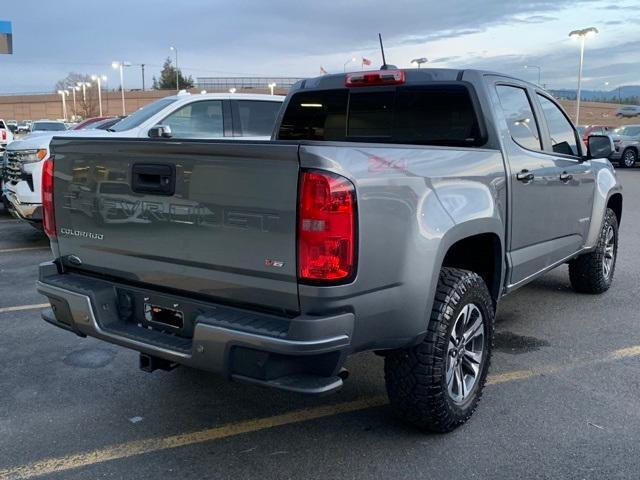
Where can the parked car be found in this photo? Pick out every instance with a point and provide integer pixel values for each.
(85, 123)
(393, 212)
(183, 116)
(586, 131)
(103, 124)
(6, 135)
(24, 126)
(626, 141)
(628, 111)
(12, 125)
(44, 126)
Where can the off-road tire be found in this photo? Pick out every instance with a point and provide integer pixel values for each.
(628, 158)
(587, 272)
(416, 377)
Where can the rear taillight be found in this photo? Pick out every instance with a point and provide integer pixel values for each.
(4, 134)
(326, 228)
(371, 79)
(48, 214)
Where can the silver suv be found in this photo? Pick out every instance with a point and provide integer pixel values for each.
(626, 142)
(628, 111)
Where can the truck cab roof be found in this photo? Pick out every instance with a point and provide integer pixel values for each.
(412, 76)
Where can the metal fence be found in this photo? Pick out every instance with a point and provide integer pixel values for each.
(244, 83)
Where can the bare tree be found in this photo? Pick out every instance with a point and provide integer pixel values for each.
(86, 105)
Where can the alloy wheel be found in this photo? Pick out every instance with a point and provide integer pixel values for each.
(465, 353)
(609, 256)
(629, 158)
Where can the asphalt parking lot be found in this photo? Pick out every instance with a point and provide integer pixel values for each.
(563, 399)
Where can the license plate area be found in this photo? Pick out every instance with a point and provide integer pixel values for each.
(164, 317)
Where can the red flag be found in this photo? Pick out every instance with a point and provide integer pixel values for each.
(366, 61)
(322, 70)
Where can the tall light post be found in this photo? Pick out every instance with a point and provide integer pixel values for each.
(419, 61)
(581, 35)
(84, 86)
(74, 89)
(272, 85)
(98, 79)
(64, 94)
(174, 49)
(537, 67)
(344, 67)
(120, 66)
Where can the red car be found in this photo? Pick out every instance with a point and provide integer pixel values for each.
(82, 125)
(586, 130)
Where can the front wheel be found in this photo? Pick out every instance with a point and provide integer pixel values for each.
(593, 271)
(629, 158)
(436, 385)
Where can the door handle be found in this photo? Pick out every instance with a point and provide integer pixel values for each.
(525, 176)
(153, 178)
(565, 177)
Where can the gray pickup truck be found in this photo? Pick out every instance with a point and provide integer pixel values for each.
(390, 213)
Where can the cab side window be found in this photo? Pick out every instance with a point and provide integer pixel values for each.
(563, 136)
(197, 120)
(520, 118)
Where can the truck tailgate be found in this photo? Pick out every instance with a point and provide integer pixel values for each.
(213, 218)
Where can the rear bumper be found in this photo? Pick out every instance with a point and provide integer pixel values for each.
(31, 212)
(302, 354)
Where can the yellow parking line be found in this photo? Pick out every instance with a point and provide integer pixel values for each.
(23, 307)
(129, 449)
(22, 249)
(138, 447)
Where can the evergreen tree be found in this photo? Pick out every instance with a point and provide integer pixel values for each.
(167, 78)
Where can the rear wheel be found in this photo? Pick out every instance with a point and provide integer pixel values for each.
(593, 271)
(629, 158)
(436, 385)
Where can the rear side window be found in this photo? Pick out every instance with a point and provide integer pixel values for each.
(197, 120)
(256, 118)
(520, 118)
(563, 137)
(437, 114)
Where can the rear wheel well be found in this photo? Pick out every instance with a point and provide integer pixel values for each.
(615, 204)
(481, 254)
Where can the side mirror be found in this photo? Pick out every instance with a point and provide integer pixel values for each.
(599, 146)
(160, 131)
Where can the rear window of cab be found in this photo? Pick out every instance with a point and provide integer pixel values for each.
(436, 114)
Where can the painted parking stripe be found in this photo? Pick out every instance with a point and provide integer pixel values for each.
(23, 249)
(139, 447)
(23, 307)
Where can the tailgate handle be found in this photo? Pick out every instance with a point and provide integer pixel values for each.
(153, 178)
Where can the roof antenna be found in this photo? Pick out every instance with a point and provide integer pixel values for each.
(384, 66)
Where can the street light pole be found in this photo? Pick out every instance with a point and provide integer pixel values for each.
(98, 79)
(73, 91)
(63, 94)
(84, 86)
(120, 66)
(177, 73)
(582, 36)
(539, 68)
(344, 67)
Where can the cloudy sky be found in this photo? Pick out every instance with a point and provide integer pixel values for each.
(296, 37)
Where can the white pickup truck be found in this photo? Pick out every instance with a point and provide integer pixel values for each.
(6, 135)
(182, 116)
